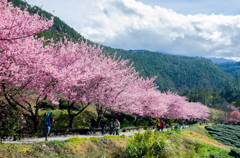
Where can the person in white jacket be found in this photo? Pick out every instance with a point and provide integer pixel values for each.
(117, 126)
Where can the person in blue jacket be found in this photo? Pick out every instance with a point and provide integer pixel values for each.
(103, 125)
(47, 123)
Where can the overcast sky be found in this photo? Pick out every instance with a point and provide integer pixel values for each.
(208, 28)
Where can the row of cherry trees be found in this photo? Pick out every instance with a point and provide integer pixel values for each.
(230, 114)
(34, 71)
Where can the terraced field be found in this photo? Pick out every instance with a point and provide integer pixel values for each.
(225, 134)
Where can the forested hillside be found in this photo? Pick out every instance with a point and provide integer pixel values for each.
(232, 68)
(221, 60)
(174, 72)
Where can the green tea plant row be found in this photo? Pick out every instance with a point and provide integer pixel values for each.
(225, 134)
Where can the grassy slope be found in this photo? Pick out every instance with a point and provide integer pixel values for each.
(199, 133)
(185, 143)
(73, 147)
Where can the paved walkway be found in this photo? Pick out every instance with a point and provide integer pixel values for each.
(64, 137)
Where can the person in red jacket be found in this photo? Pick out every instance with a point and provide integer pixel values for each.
(162, 123)
(158, 124)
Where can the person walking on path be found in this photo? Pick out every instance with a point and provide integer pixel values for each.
(92, 126)
(158, 124)
(47, 123)
(117, 126)
(103, 125)
(162, 123)
(111, 127)
(22, 125)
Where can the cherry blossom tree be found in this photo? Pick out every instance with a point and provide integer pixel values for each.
(117, 82)
(234, 116)
(25, 82)
(32, 73)
(79, 69)
(196, 110)
(22, 58)
(17, 24)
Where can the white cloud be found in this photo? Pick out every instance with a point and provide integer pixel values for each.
(130, 24)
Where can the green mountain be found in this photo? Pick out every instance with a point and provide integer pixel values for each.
(221, 60)
(232, 68)
(174, 72)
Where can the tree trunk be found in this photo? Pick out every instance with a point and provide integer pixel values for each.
(135, 122)
(98, 122)
(1, 138)
(71, 117)
(100, 115)
(35, 123)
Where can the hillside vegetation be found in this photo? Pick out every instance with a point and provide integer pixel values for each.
(226, 134)
(174, 72)
(231, 67)
(175, 144)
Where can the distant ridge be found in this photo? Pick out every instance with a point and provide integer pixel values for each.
(232, 68)
(221, 60)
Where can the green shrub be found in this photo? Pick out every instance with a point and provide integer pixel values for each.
(235, 153)
(61, 119)
(151, 144)
(139, 145)
(9, 123)
(56, 143)
(214, 156)
(75, 140)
